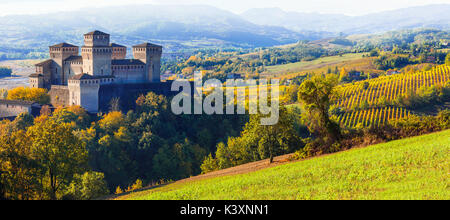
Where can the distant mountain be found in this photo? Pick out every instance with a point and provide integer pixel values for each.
(187, 27)
(172, 26)
(431, 16)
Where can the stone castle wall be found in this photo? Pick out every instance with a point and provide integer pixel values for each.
(128, 93)
(8, 110)
(129, 74)
(59, 95)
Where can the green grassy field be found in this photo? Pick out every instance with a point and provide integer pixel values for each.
(413, 168)
(309, 65)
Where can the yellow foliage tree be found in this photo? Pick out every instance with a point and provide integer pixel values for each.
(29, 94)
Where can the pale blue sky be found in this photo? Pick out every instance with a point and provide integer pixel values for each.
(349, 7)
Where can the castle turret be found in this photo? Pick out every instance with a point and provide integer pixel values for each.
(150, 54)
(36, 80)
(84, 88)
(58, 53)
(96, 54)
(119, 52)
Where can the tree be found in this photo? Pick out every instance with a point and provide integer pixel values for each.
(23, 121)
(291, 94)
(60, 154)
(343, 75)
(447, 59)
(29, 94)
(277, 139)
(257, 142)
(18, 170)
(90, 185)
(316, 95)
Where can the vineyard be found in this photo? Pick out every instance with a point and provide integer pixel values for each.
(372, 117)
(388, 88)
(369, 103)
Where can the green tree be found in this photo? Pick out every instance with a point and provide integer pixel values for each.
(316, 95)
(18, 170)
(90, 185)
(59, 152)
(257, 142)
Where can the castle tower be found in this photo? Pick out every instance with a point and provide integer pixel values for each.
(150, 54)
(36, 80)
(83, 91)
(96, 54)
(119, 52)
(58, 53)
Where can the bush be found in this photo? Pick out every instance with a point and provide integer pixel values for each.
(90, 185)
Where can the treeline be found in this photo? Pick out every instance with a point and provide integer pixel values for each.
(258, 142)
(110, 153)
(5, 71)
(252, 63)
(21, 55)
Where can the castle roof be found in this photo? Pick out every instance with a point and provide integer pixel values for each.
(63, 45)
(44, 62)
(146, 45)
(17, 102)
(87, 76)
(82, 76)
(127, 62)
(34, 75)
(96, 32)
(115, 45)
(74, 58)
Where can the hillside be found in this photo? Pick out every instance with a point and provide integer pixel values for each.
(413, 168)
(175, 27)
(184, 27)
(318, 65)
(378, 99)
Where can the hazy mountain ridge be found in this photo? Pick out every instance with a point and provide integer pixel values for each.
(433, 16)
(178, 27)
(132, 24)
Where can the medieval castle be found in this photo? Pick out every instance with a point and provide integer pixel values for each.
(100, 74)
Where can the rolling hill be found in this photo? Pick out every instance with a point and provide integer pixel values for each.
(413, 168)
(200, 26)
(171, 26)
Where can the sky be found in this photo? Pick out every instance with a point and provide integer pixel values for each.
(348, 7)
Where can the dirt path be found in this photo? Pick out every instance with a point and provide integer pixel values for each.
(242, 169)
(245, 168)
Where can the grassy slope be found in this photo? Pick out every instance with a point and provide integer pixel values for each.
(413, 168)
(310, 65)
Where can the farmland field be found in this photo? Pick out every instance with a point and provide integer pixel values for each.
(413, 168)
(21, 70)
(311, 65)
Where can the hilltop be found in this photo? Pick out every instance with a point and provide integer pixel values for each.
(412, 168)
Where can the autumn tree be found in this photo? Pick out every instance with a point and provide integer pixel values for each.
(257, 142)
(29, 94)
(19, 178)
(60, 154)
(316, 95)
